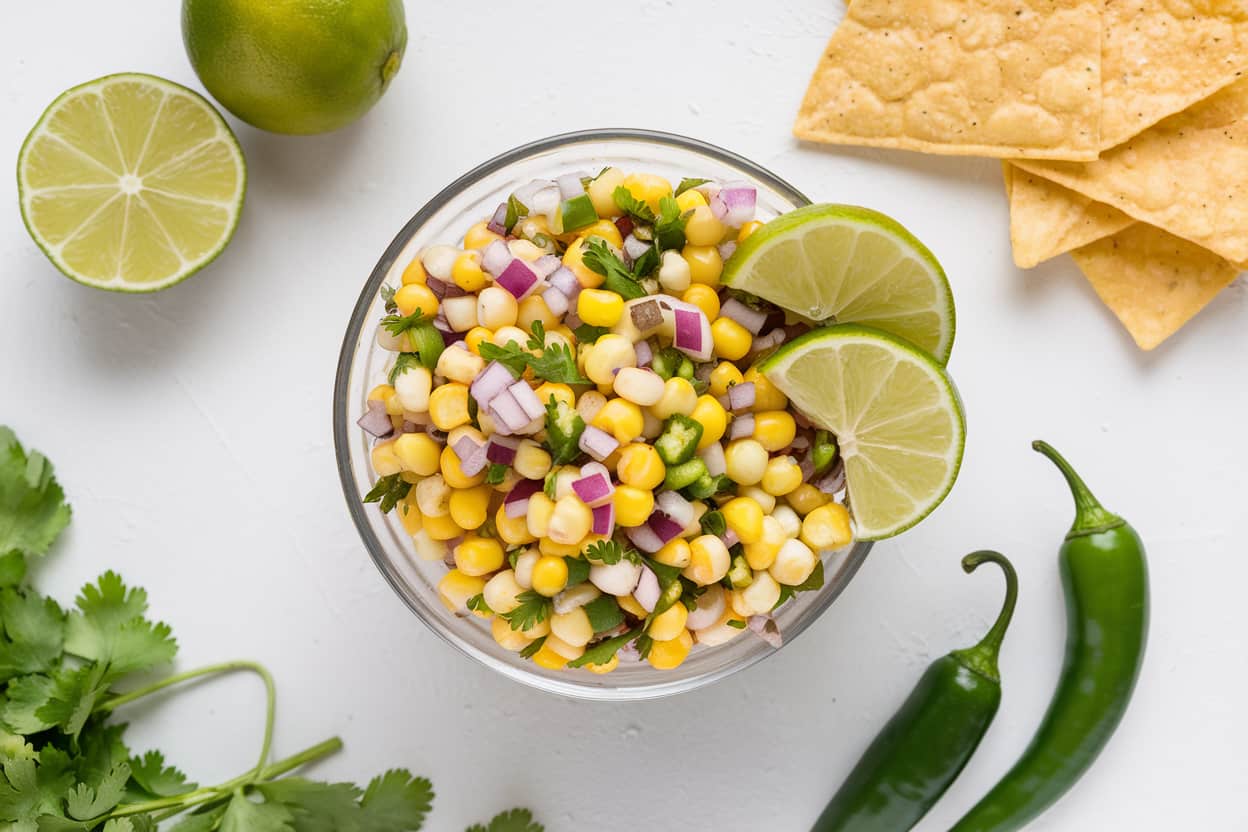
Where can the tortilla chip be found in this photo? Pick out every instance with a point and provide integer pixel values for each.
(1158, 58)
(1004, 78)
(1047, 220)
(1153, 281)
(1187, 175)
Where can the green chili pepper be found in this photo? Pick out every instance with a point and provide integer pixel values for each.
(823, 451)
(679, 440)
(739, 574)
(686, 369)
(686, 473)
(425, 339)
(707, 486)
(1105, 577)
(930, 739)
(665, 362)
(577, 212)
(564, 427)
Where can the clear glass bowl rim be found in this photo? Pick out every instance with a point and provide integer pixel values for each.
(342, 424)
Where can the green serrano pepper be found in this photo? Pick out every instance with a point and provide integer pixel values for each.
(1105, 577)
(930, 739)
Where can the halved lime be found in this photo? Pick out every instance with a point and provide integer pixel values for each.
(895, 413)
(845, 264)
(131, 183)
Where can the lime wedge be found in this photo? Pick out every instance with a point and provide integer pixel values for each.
(131, 183)
(895, 413)
(845, 264)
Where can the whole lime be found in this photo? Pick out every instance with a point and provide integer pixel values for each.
(295, 66)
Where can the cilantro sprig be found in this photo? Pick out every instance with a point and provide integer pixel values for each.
(631, 205)
(688, 184)
(611, 552)
(598, 257)
(553, 362)
(532, 609)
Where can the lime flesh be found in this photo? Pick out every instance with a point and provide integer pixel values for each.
(131, 183)
(895, 414)
(845, 264)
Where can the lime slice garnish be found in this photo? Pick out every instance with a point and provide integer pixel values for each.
(845, 264)
(895, 413)
(131, 183)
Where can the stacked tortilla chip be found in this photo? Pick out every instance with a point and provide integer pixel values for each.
(1124, 123)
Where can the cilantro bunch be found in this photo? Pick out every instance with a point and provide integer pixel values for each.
(64, 762)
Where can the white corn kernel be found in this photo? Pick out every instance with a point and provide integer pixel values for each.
(460, 312)
(413, 387)
(439, 261)
(562, 648)
(497, 308)
(500, 591)
(525, 250)
(433, 496)
(525, 562)
(427, 548)
(674, 273)
(789, 521)
(794, 563)
(767, 501)
(756, 599)
(458, 364)
(572, 627)
(638, 385)
(610, 353)
(589, 404)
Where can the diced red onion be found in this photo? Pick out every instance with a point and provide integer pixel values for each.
(713, 456)
(556, 301)
(507, 413)
(726, 249)
(498, 222)
(590, 468)
(688, 337)
(593, 490)
(496, 258)
(634, 248)
(802, 420)
(765, 342)
(518, 278)
(741, 396)
(645, 353)
(501, 450)
(624, 225)
(516, 503)
(833, 480)
(648, 590)
(604, 520)
(375, 421)
(572, 320)
(800, 442)
(546, 265)
(751, 319)
(436, 286)
(764, 626)
(412, 427)
(741, 426)
(493, 380)
(730, 538)
(570, 184)
(664, 527)
(464, 447)
(597, 443)
(565, 281)
(734, 204)
(528, 401)
(807, 466)
(545, 202)
(644, 539)
(432, 431)
(475, 463)
(676, 507)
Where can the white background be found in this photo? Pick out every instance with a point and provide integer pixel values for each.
(192, 432)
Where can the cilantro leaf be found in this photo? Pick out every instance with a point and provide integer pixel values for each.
(87, 801)
(203, 822)
(588, 333)
(815, 581)
(598, 257)
(387, 297)
(604, 613)
(611, 552)
(34, 786)
(515, 820)
(736, 623)
(564, 427)
(496, 473)
(156, 779)
(645, 265)
(631, 205)
(713, 522)
(510, 355)
(34, 630)
(109, 628)
(578, 570)
(63, 700)
(404, 362)
(477, 604)
(245, 815)
(688, 184)
(532, 648)
(131, 823)
(33, 511)
(388, 491)
(315, 806)
(669, 230)
(397, 324)
(604, 651)
(644, 643)
(553, 362)
(396, 802)
(533, 609)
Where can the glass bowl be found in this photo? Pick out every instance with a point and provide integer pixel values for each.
(362, 365)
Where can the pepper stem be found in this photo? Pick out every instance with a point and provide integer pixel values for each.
(982, 658)
(1090, 516)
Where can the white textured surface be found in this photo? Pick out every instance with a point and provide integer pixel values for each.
(191, 430)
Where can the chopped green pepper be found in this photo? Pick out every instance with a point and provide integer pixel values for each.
(740, 575)
(679, 441)
(707, 486)
(686, 473)
(685, 370)
(666, 362)
(823, 452)
(577, 212)
(712, 522)
(564, 427)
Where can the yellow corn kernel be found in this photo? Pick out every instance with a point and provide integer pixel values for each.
(761, 554)
(703, 297)
(456, 588)
(385, 461)
(550, 575)
(678, 397)
(541, 508)
(713, 417)
(479, 555)
(467, 273)
(602, 192)
(602, 669)
(599, 307)
(724, 375)
(470, 506)
(745, 517)
(633, 505)
(448, 405)
(479, 236)
(525, 248)
(558, 550)
(766, 395)
(549, 659)
(394, 404)
(668, 624)
(629, 604)
(640, 466)
(475, 337)
(570, 522)
(669, 655)
(827, 527)
(409, 513)
(532, 460)
(454, 474)
(514, 531)
(414, 296)
(689, 200)
(702, 228)
(573, 627)
(538, 630)
(417, 453)
(674, 553)
(745, 461)
(722, 631)
(708, 560)
(748, 229)
(620, 418)
(440, 528)
(732, 341)
(381, 393)
(562, 648)
(604, 230)
(647, 188)
(560, 392)
(609, 353)
(508, 638)
(781, 476)
(534, 308)
(794, 563)
(806, 498)
(414, 273)
(774, 429)
(502, 592)
(574, 260)
(705, 264)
